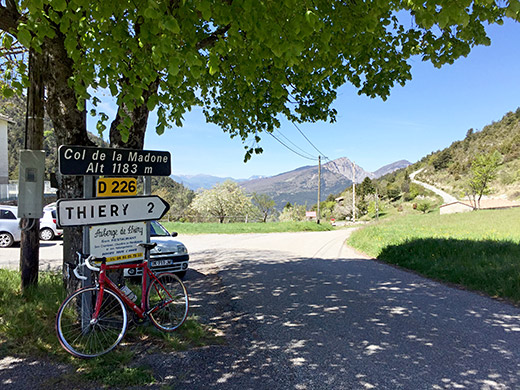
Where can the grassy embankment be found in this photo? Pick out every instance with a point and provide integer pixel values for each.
(478, 250)
(237, 228)
(27, 329)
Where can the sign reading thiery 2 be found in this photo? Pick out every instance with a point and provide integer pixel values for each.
(101, 211)
(85, 160)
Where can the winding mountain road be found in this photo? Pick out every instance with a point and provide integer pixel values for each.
(447, 198)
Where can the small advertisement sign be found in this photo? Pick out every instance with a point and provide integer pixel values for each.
(118, 243)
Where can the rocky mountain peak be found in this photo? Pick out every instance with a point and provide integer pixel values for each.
(345, 167)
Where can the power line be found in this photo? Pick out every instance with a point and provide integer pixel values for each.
(293, 144)
(292, 150)
(308, 140)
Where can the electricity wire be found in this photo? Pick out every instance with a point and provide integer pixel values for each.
(309, 141)
(293, 144)
(292, 150)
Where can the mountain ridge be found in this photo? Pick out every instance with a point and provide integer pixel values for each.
(300, 184)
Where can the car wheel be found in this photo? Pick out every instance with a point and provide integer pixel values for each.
(6, 240)
(181, 274)
(46, 234)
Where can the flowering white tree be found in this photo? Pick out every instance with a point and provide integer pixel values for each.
(225, 200)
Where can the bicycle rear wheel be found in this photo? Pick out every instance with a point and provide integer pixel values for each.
(167, 301)
(83, 337)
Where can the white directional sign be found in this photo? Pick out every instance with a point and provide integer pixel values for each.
(102, 211)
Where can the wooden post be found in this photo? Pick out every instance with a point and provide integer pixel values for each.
(30, 240)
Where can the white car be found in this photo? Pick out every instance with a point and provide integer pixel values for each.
(168, 256)
(9, 226)
(48, 229)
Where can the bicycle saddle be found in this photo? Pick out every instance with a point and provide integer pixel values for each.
(148, 245)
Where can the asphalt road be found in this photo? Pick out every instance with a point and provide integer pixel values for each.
(303, 311)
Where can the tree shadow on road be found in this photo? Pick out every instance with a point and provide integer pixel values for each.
(299, 323)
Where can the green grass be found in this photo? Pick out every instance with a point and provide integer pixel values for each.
(478, 250)
(237, 228)
(27, 329)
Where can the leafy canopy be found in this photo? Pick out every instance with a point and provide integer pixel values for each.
(246, 62)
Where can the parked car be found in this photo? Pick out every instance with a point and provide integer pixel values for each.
(48, 229)
(168, 256)
(9, 226)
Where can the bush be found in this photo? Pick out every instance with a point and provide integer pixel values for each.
(424, 206)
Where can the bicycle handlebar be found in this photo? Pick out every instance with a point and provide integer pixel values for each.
(88, 264)
(77, 274)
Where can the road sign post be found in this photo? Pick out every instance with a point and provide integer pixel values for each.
(127, 163)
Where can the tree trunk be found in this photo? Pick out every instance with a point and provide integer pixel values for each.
(139, 117)
(70, 126)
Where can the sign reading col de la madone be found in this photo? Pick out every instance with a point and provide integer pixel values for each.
(86, 160)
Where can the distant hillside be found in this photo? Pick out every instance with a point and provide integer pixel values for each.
(301, 185)
(298, 186)
(449, 169)
(197, 182)
(391, 168)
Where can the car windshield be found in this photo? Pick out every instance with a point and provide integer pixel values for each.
(156, 229)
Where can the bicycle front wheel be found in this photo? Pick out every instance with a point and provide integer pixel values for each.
(167, 301)
(84, 337)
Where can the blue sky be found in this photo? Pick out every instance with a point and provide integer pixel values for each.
(434, 109)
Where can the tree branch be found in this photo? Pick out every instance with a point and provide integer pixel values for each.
(9, 17)
(213, 38)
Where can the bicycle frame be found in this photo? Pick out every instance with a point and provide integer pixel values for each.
(104, 281)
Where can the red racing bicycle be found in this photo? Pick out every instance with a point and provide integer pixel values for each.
(93, 320)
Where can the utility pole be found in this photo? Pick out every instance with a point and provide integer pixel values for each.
(353, 191)
(318, 216)
(30, 240)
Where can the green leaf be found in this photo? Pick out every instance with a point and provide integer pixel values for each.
(113, 89)
(172, 25)
(7, 41)
(152, 102)
(100, 128)
(213, 64)
(151, 13)
(7, 92)
(205, 8)
(24, 37)
(59, 5)
(160, 128)
(173, 68)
